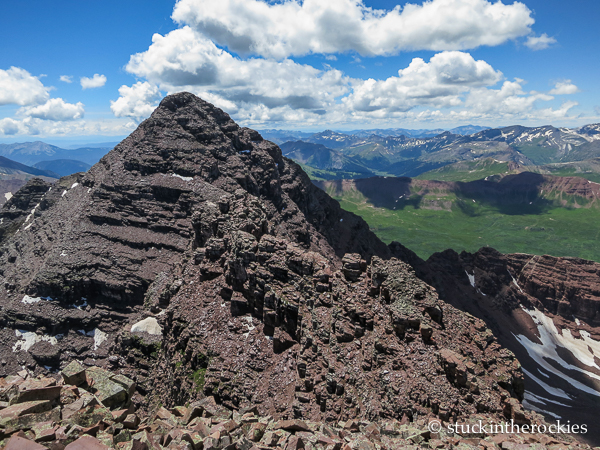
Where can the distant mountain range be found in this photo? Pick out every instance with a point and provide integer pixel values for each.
(316, 156)
(330, 154)
(11, 168)
(364, 153)
(281, 136)
(14, 175)
(23, 161)
(93, 145)
(31, 153)
(464, 130)
(63, 167)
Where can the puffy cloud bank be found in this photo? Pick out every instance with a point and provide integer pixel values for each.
(295, 28)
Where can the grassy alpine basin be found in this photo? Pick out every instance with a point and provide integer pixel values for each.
(556, 231)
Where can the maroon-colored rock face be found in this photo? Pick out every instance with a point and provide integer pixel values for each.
(94, 243)
(277, 328)
(130, 217)
(267, 292)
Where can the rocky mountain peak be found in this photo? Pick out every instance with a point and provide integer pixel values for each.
(132, 215)
(188, 180)
(197, 260)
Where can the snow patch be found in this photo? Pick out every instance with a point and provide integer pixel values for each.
(29, 339)
(32, 213)
(515, 281)
(99, 337)
(531, 397)
(64, 193)
(8, 196)
(534, 398)
(556, 392)
(584, 349)
(80, 307)
(471, 278)
(250, 326)
(29, 300)
(531, 407)
(544, 374)
(182, 177)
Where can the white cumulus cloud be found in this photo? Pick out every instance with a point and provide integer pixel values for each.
(565, 87)
(95, 82)
(295, 27)
(438, 83)
(31, 126)
(186, 60)
(19, 87)
(66, 79)
(237, 55)
(137, 101)
(509, 100)
(540, 42)
(55, 109)
(9, 127)
(259, 90)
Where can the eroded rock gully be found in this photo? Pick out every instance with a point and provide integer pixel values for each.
(268, 294)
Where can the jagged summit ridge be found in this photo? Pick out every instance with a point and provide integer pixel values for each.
(129, 217)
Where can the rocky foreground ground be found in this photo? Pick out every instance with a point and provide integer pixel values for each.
(92, 408)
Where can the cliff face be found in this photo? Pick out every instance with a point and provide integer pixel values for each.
(93, 243)
(566, 288)
(544, 308)
(267, 292)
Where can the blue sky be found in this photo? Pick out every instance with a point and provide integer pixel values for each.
(340, 64)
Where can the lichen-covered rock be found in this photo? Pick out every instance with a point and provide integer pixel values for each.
(74, 373)
(95, 427)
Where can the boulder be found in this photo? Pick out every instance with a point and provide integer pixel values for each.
(149, 325)
(74, 373)
(86, 443)
(20, 443)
